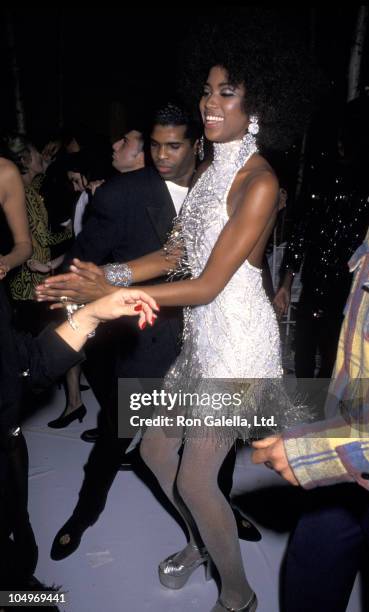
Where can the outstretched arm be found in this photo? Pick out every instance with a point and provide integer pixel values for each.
(54, 351)
(237, 240)
(86, 281)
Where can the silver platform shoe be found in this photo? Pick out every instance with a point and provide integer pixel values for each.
(251, 606)
(174, 575)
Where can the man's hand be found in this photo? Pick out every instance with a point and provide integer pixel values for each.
(272, 452)
(281, 301)
(85, 283)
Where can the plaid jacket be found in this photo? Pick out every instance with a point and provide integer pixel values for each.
(337, 450)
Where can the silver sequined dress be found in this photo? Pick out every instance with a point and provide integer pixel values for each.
(236, 336)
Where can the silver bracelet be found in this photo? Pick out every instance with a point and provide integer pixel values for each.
(118, 274)
(71, 308)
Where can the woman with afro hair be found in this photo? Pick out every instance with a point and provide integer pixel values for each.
(251, 80)
(254, 95)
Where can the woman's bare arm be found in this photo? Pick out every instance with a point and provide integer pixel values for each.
(12, 200)
(153, 265)
(235, 243)
(249, 221)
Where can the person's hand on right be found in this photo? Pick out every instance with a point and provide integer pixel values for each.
(282, 300)
(272, 453)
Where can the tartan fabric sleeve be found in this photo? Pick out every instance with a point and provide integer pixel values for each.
(318, 462)
(337, 450)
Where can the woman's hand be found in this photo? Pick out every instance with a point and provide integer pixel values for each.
(4, 268)
(36, 266)
(123, 302)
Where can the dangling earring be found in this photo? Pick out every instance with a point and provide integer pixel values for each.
(200, 149)
(253, 125)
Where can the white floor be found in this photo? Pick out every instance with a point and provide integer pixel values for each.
(115, 567)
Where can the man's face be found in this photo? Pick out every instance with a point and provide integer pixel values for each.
(172, 153)
(128, 152)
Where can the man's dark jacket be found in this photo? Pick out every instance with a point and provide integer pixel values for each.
(131, 217)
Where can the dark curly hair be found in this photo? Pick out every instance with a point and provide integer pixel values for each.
(257, 50)
(173, 114)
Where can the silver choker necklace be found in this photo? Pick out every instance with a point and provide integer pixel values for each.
(236, 152)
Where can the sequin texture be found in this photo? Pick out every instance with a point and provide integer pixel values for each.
(236, 336)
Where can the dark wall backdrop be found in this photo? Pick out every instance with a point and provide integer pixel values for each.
(98, 63)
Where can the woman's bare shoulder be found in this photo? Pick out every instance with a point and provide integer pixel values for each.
(8, 169)
(258, 174)
(11, 183)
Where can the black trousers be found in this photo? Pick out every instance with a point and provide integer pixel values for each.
(315, 334)
(326, 550)
(19, 553)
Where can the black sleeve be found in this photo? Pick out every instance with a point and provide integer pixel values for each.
(45, 358)
(104, 230)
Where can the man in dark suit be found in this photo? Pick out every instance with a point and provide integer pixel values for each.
(131, 217)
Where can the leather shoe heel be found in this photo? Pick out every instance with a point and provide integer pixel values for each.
(66, 419)
(90, 435)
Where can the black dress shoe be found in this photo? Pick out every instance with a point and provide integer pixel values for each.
(68, 539)
(90, 435)
(84, 387)
(246, 530)
(65, 419)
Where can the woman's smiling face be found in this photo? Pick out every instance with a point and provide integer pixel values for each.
(222, 108)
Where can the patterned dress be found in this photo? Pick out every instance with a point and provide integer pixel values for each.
(23, 281)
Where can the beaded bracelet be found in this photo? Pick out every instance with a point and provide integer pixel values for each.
(71, 308)
(118, 274)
